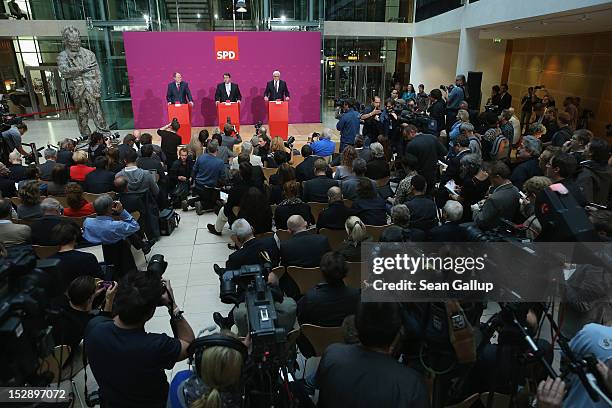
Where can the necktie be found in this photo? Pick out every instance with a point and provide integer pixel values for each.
(178, 86)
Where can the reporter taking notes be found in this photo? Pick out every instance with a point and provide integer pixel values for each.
(178, 91)
(276, 89)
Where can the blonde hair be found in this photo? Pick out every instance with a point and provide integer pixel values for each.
(220, 369)
(355, 229)
(79, 157)
(277, 144)
(463, 115)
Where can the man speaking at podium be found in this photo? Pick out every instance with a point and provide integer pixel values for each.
(178, 91)
(227, 90)
(276, 89)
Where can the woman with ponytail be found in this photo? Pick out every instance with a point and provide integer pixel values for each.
(216, 385)
(357, 233)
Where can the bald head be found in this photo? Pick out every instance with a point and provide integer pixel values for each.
(334, 194)
(121, 184)
(296, 224)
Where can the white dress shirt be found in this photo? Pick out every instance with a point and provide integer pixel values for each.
(228, 89)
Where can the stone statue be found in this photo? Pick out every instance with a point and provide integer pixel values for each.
(79, 67)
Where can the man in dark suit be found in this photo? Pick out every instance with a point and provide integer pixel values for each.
(42, 227)
(227, 90)
(47, 167)
(505, 99)
(449, 231)
(423, 210)
(250, 247)
(276, 89)
(315, 189)
(427, 149)
(334, 216)
(178, 91)
(305, 170)
(128, 144)
(100, 180)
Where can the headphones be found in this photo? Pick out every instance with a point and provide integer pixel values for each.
(197, 347)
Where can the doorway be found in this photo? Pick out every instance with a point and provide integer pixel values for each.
(360, 81)
(48, 92)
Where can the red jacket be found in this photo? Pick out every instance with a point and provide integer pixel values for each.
(79, 171)
(85, 210)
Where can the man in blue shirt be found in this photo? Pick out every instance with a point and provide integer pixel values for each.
(12, 141)
(348, 125)
(324, 146)
(455, 96)
(208, 173)
(104, 229)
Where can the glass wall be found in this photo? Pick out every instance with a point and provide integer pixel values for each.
(369, 10)
(429, 8)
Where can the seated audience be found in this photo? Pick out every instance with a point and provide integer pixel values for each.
(77, 310)
(474, 185)
(409, 164)
(345, 169)
(29, 193)
(97, 146)
(147, 139)
(114, 163)
(249, 247)
(179, 177)
(7, 185)
(208, 173)
(324, 147)
(368, 205)
(59, 179)
(46, 168)
(139, 180)
(336, 214)
(502, 202)
(12, 234)
(562, 169)
(291, 205)
(349, 184)
(315, 189)
(146, 161)
(356, 234)
(449, 231)
(377, 167)
(305, 170)
(73, 263)
(80, 169)
(564, 132)
(129, 141)
(33, 174)
(246, 148)
(284, 174)
(42, 228)
(223, 152)
(255, 209)
(423, 210)
(17, 170)
(127, 361)
(401, 230)
(595, 177)
(528, 153)
(64, 155)
(362, 151)
(101, 179)
(577, 145)
(532, 188)
(77, 205)
(104, 229)
(303, 249)
(347, 372)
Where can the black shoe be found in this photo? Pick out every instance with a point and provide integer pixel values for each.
(185, 205)
(212, 230)
(146, 247)
(222, 322)
(218, 270)
(198, 208)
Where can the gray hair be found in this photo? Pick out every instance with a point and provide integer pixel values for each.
(49, 153)
(242, 229)
(326, 133)
(400, 215)
(472, 160)
(50, 204)
(453, 210)
(533, 144)
(102, 204)
(466, 127)
(66, 142)
(276, 72)
(377, 150)
(359, 166)
(246, 148)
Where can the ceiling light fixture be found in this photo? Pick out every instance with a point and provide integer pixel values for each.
(241, 6)
(199, 15)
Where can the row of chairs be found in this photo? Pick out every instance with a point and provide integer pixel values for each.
(77, 220)
(335, 237)
(307, 278)
(89, 197)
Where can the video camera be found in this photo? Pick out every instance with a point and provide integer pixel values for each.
(26, 288)
(8, 120)
(289, 142)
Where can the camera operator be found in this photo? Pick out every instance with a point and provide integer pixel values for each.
(97, 146)
(11, 140)
(348, 125)
(456, 95)
(372, 126)
(437, 110)
(128, 362)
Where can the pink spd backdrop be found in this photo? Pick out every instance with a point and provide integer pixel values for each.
(152, 58)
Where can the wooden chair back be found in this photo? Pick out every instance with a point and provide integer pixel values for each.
(376, 231)
(264, 234)
(296, 160)
(77, 220)
(283, 235)
(62, 200)
(353, 277)
(335, 237)
(305, 278)
(91, 197)
(316, 208)
(321, 337)
(44, 251)
(279, 271)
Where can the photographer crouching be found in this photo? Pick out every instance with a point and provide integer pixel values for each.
(127, 362)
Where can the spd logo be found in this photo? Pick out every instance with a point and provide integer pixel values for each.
(226, 48)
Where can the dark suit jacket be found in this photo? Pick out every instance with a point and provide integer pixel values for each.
(178, 95)
(316, 189)
(222, 96)
(283, 212)
(7, 187)
(249, 253)
(99, 181)
(65, 157)
(423, 213)
(283, 91)
(305, 170)
(505, 102)
(42, 230)
(371, 211)
(326, 305)
(447, 232)
(428, 150)
(304, 249)
(45, 169)
(377, 169)
(334, 216)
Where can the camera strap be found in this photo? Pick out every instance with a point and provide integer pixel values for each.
(461, 333)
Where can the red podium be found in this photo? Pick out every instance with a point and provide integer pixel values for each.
(278, 116)
(231, 109)
(183, 113)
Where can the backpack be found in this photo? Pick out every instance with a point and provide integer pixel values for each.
(168, 221)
